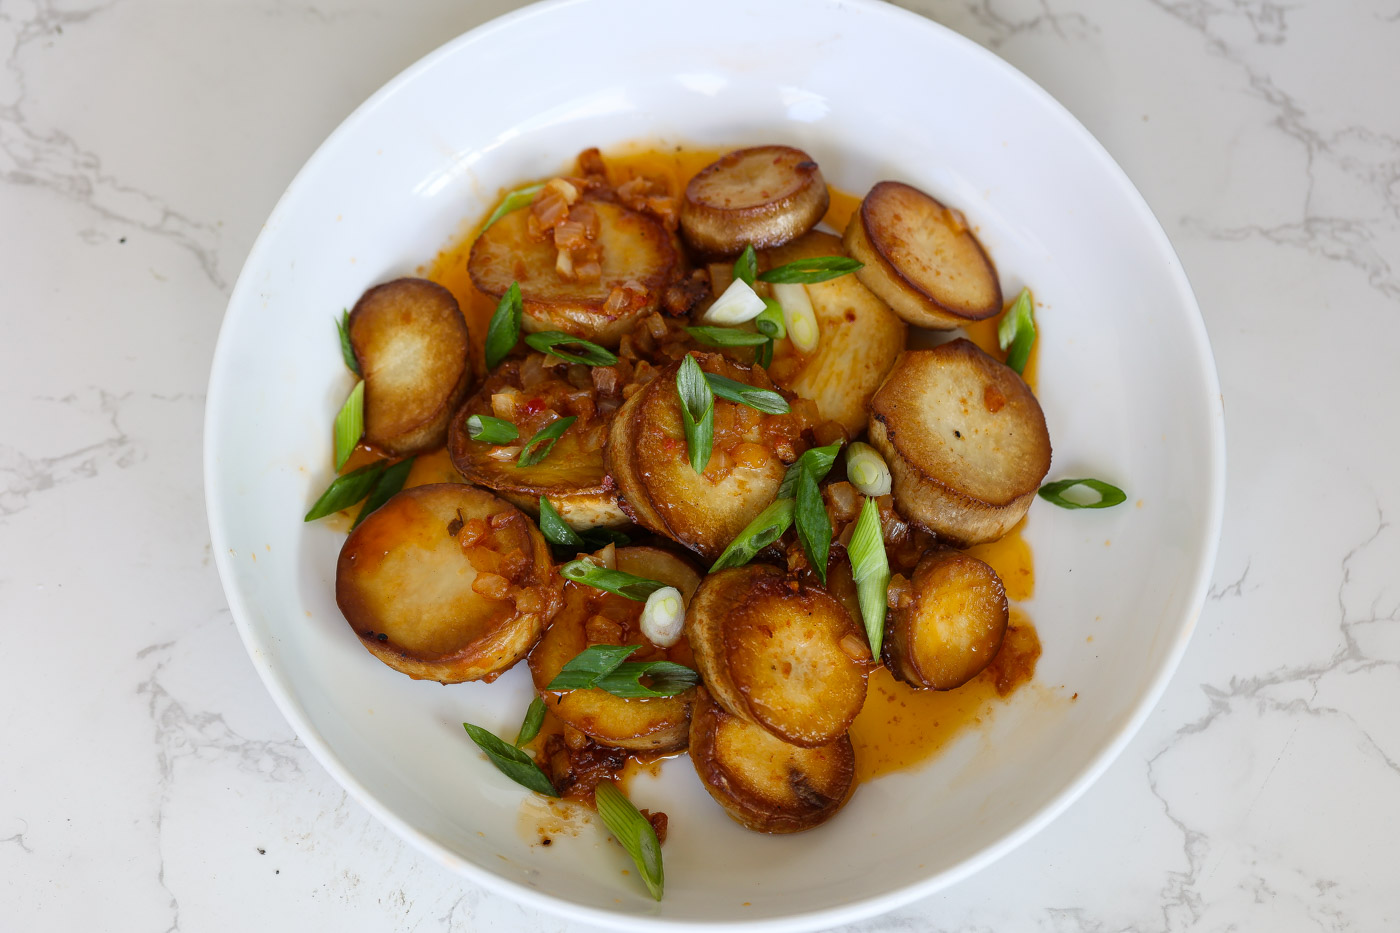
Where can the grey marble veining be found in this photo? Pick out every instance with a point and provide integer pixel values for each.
(148, 782)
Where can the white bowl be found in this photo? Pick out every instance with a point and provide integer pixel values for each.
(1126, 380)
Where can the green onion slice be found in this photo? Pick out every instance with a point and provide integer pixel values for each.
(555, 529)
(514, 201)
(1017, 331)
(589, 353)
(816, 461)
(667, 679)
(770, 320)
(595, 538)
(1109, 494)
(813, 524)
(763, 356)
(624, 584)
(342, 324)
(726, 336)
(584, 668)
(345, 491)
(867, 470)
(539, 446)
(746, 266)
(697, 411)
(504, 329)
(634, 832)
(534, 718)
(385, 488)
(764, 400)
(491, 430)
(350, 424)
(757, 535)
(812, 270)
(871, 569)
(563, 536)
(605, 667)
(511, 761)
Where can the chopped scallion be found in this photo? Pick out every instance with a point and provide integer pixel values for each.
(1017, 331)
(1109, 494)
(350, 424)
(871, 569)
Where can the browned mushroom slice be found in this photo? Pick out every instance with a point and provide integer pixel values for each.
(764, 783)
(859, 338)
(965, 441)
(446, 582)
(779, 652)
(921, 258)
(530, 393)
(647, 457)
(637, 261)
(950, 626)
(764, 196)
(410, 340)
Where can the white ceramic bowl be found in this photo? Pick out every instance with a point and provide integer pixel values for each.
(1126, 380)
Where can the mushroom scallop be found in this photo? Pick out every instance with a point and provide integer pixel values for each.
(965, 441)
(446, 582)
(764, 196)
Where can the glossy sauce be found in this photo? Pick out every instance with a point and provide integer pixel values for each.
(900, 727)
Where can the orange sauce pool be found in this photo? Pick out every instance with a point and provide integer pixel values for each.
(899, 727)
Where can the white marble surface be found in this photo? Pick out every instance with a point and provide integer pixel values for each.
(148, 783)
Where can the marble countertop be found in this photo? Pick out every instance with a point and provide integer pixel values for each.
(148, 782)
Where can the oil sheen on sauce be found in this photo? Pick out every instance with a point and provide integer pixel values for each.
(899, 727)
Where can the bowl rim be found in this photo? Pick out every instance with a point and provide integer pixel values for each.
(275, 681)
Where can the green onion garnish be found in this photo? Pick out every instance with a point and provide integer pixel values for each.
(770, 320)
(746, 266)
(491, 430)
(813, 270)
(511, 761)
(555, 529)
(813, 524)
(605, 667)
(504, 329)
(867, 470)
(534, 718)
(697, 411)
(634, 832)
(764, 400)
(514, 201)
(342, 324)
(871, 569)
(345, 491)
(726, 336)
(816, 461)
(1017, 331)
(757, 535)
(627, 585)
(588, 665)
(350, 424)
(539, 446)
(589, 353)
(563, 536)
(385, 488)
(1109, 494)
(595, 538)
